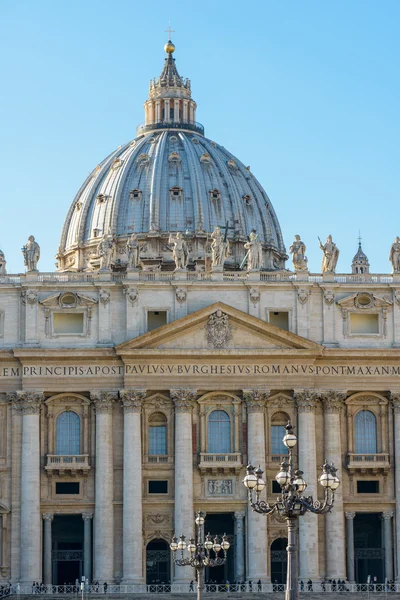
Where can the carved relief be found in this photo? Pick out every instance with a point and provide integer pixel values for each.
(218, 330)
(158, 518)
(329, 297)
(180, 295)
(132, 294)
(29, 297)
(219, 487)
(104, 296)
(303, 295)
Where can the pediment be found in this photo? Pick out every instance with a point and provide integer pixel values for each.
(364, 300)
(219, 327)
(67, 300)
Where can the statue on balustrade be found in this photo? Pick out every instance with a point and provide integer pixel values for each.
(3, 263)
(331, 255)
(219, 248)
(298, 251)
(133, 252)
(254, 255)
(31, 252)
(394, 255)
(180, 251)
(106, 251)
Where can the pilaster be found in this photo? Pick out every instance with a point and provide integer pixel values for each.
(239, 557)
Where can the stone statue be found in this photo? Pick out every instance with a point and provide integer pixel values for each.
(298, 250)
(105, 251)
(331, 255)
(180, 250)
(219, 248)
(254, 252)
(31, 252)
(3, 263)
(394, 255)
(133, 252)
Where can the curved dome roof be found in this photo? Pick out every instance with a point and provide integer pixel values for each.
(170, 178)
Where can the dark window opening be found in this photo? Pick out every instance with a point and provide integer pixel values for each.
(276, 488)
(367, 487)
(158, 487)
(67, 487)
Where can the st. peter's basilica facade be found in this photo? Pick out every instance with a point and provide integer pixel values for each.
(169, 349)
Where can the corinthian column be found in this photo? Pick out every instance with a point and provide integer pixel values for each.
(256, 524)
(395, 398)
(334, 521)
(306, 401)
(16, 442)
(183, 516)
(388, 543)
(350, 546)
(239, 562)
(47, 546)
(30, 403)
(104, 509)
(132, 511)
(87, 545)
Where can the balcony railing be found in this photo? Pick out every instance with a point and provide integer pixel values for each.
(142, 128)
(360, 462)
(67, 462)
(211, 461)
(274, 460)
(157, 459)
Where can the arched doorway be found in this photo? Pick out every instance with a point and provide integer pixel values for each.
(158, 562)
(278, 560)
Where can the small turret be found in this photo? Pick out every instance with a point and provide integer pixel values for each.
(360, 264)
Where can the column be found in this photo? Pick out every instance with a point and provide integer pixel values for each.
(395, 398)
(185, 111)
(239, 549)
(104, 510)
(184, 513)
(350, 546)
(306, 401)
(176, 111)
(166, 110)
(333, 401)
(16, 444)
(388, 543)
(31, 570)
(256, 524)
(87, 545)
(132, 509)
(47, 547)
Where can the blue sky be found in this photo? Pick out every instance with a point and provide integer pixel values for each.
(305, 92)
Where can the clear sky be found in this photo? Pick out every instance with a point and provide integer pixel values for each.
(306, 92)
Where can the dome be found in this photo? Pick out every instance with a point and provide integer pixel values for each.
(360, 264)
(170, 178)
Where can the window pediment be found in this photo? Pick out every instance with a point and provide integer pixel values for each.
(364, 300)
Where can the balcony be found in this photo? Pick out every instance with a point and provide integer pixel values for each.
(368, 463)
(161, 460)
(194, 126)
(67, 464)
(220, 463)
(274, 460)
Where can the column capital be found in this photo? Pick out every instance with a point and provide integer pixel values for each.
(29, 402)
(87, 516)
(183, 399)
(350, 515)
(332, 400)
(256, 399)
(386, 516)
(306, 400)
(103, 400)
(47, 516)
(239, 515)
(132, 400)
(395, 400)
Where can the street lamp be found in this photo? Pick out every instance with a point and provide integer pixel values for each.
(199, 551)
(291, 504)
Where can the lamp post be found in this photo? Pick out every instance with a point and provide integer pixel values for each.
(291, 504)
(199, 551)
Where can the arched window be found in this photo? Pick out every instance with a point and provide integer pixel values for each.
(219, 432)
(68, 433)
(365, 432)
(278, 431)
(157, 434)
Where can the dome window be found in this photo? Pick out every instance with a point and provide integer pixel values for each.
(205, 158)
(101, 198)
(143, 159)
(215, 194)
(96, 232)
(176, 193)
(247, 199)
(232, 165)
(173, 139)
(117, 163)
(195, 140)
(174, 157)
(152, 140)
(135, 194)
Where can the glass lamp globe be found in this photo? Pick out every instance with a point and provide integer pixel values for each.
(191, 546)
(216, 545)
(326, 478)
(300, 483)
(260, 485)
(225, 544)
(174, 544)
(250, 481)
(181, 543)
(208, 542)
(335, 483)
(200, 518)
(290, 440)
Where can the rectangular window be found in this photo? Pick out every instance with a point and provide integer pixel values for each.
(279, 319)
(277, 434)
(68, 323)
(67, 487)
(367, 487)
(361, 324)
(157, 440)
(158, 487)
(156, 318)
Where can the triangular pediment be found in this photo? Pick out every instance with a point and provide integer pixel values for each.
(219, 327)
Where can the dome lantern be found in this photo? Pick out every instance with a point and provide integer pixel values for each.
(360, 264)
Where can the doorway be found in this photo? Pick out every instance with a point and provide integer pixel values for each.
(67, 549)
(218, 524)
(369, 555)
(279, 560)
(158, 570)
